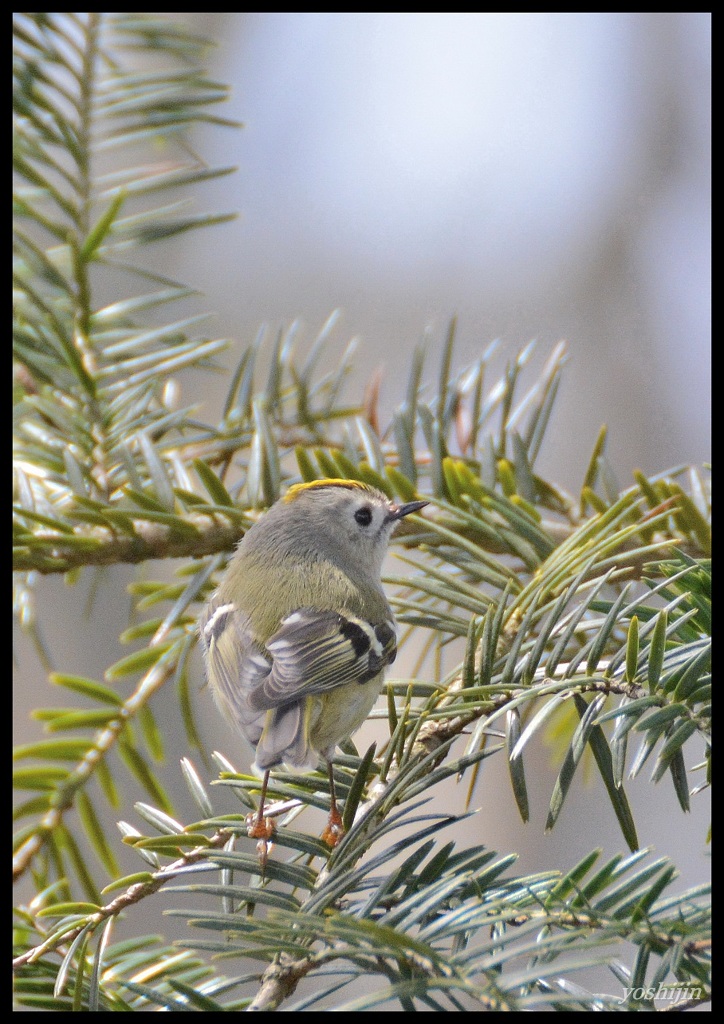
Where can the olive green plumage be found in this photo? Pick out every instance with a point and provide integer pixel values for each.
(298, 635)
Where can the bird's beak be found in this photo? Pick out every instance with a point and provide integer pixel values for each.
(398, 511)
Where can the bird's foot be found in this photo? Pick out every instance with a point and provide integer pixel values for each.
(258, 827)
(335, 829)
(262, 829)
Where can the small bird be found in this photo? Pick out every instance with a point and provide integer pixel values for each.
(299, 632)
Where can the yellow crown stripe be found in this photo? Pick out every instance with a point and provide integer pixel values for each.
(296, 489)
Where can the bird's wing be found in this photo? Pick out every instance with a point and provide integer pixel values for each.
(314, 651)
(236, 664)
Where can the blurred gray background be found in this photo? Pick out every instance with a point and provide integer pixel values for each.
(542, 176)
(539, 175)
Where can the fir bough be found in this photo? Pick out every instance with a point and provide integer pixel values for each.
(529, 601)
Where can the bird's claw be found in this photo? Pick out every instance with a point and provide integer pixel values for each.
(334, 830)
(262, 829)
(259, 828)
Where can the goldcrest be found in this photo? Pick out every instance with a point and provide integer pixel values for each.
(298, 634)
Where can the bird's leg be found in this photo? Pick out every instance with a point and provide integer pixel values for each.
(257, 826)
(335, 829)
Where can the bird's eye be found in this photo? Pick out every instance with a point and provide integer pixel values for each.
(364, 515)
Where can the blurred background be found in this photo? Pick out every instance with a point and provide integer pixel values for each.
(541, 176)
